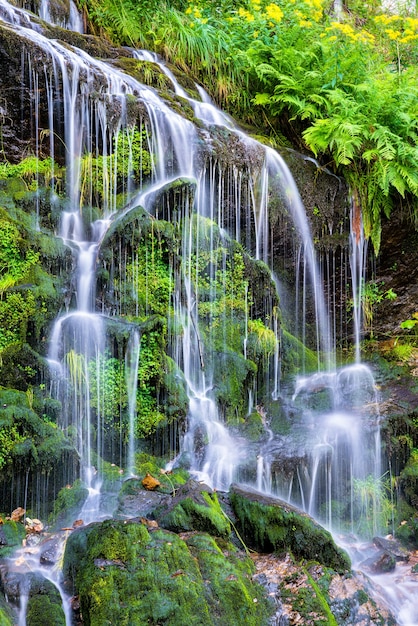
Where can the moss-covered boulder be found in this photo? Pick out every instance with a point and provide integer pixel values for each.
(44, 604)
(194, 507)
(6, 617)
(11, 536)
(125, 574)
(268, 524)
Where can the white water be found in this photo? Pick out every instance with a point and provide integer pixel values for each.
(26, 561)
(72, 21)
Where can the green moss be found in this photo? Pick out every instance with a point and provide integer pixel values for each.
(26, 439)
(203, 515)
(276, 526)
(296, 356)
(11, 536)
(69, 501)
(232, 374)
(231, 595)
(43, 610)
(6, 619)
(253, 427)
(147, 464)
(124, 574)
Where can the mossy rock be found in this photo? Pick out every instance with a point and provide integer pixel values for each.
(194, 507)
(269, 524)
(124, 574)
(6, 617)
(11, 535)
(44, 605)
(68, 503)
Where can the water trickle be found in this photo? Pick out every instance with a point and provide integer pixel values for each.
(131, 373)
(358, 259)
(71, 21)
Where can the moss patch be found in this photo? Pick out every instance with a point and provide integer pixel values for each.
(194, 508)
(11, 536)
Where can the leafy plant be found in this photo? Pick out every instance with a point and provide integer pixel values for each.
(373, 505)
(102, 176)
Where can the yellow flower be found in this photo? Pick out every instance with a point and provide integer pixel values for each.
(274, 12)
(393, 34)
(244, 13)
(188, 10)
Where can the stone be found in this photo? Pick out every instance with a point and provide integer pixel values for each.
(150, 483)
(17, 514)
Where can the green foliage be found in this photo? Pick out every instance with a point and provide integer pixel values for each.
(373, 506)
(28, 441)
(262, 341)
(148, 276)
(347, 86)
(103, 175)
(371, 295)
(150, 374)
(108, 388)
(32, 171)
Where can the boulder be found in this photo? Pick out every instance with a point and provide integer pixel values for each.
(269, 524)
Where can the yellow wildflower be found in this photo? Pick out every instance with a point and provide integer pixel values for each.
(246, 14)
(274, 12)
(393, 34)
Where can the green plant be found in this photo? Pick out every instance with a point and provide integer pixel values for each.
(104, 175)
(373, 505)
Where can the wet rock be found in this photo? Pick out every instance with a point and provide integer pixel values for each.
(134, 501)
(309, 594)
(380, 563)
(393, 547)
(271, 525)
(194, 507)
(51, 551)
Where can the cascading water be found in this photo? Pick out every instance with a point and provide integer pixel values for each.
(335, 446)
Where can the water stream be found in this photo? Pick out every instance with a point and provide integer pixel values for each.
(334, 443)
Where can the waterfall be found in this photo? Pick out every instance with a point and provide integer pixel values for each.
(101, 115)
(71, 21)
